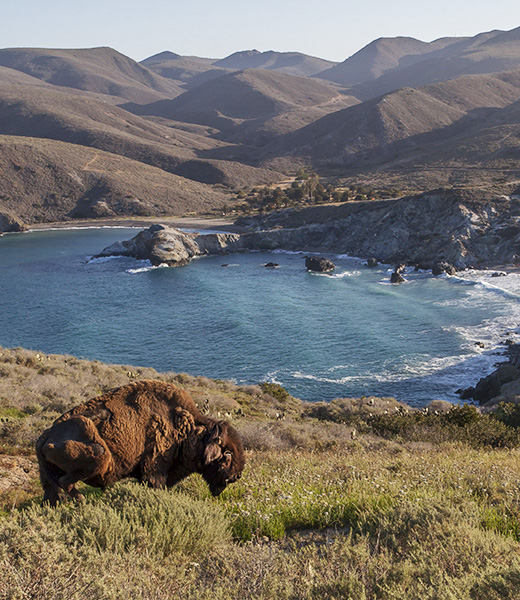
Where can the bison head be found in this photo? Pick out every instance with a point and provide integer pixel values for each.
(223, 458)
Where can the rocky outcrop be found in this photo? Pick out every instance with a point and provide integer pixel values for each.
(8, 222)
(319, 264)
(460, 228)
(503, 385)
(443, 267)
(447, 229)
(172, 247)
(396, 276)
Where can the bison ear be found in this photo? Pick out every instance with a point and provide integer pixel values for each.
(213, 449)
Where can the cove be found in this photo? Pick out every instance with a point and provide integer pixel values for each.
(347, 333)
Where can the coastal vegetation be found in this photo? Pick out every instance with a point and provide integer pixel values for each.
(356, 498)
(307, 189)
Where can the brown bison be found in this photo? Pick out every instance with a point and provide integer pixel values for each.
(149, 430)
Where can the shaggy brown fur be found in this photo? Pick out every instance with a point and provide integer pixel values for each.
(149, 430)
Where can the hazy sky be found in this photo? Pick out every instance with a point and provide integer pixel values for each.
(332, 29)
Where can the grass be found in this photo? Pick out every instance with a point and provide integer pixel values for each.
(360, 498)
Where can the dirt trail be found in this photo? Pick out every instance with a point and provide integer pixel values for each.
(92, 160)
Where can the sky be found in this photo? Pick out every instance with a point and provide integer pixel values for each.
(330, 29)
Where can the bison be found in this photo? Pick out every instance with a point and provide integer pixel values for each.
(149, 430)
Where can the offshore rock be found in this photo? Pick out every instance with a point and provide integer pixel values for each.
(168, 246)
(396, 277)
(443, 267)
(318, 264)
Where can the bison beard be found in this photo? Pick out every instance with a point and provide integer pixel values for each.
(149, 430)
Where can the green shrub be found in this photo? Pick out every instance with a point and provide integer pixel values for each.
(460, 424)
(130, 516)
(276, 391)
(508, 413)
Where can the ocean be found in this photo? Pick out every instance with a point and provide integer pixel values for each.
(322, 336)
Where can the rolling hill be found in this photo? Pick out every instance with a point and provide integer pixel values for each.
(492, 52)
(187, 71)
(387, 128)
(49, 113)
(178, 133)
(291, 63)
(253, 105)
(99, 70)
(47, 180)
(379, 57)
(191, 71)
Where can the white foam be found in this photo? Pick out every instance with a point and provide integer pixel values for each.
(145, 268)
(299, 252)
(103, 259)
(341, 275)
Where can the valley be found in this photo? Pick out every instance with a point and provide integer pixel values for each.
(91, 133)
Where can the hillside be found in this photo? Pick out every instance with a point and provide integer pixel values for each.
(379, 57)
(486, 53)
(100, 70)
(357, 498)
(46, 180)
(415, 115)
(240, 103)
(52, 114)
(408, 123)
(187, 71)
(191, 71)
(14, 77)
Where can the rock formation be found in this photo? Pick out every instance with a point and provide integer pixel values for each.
(457, 227)
(319, 264)
(8, 222)
(443, 267)
(172, 247)
(503, 385)
(445, 230)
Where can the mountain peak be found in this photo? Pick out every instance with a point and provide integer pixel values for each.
(166, 55)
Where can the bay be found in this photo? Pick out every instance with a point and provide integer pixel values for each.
(348, 333)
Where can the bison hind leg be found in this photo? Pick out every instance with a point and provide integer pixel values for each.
(52, 492)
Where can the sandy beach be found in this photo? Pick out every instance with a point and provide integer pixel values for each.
(194, 222)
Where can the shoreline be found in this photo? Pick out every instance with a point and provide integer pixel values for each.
(194, 222)
(217, 224)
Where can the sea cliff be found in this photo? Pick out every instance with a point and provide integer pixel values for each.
(455, 228)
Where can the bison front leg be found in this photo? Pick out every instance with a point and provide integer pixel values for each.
(154, 468)
(163, 440)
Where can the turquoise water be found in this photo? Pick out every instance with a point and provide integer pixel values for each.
(349, 333)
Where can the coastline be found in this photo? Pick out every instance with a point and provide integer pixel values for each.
(194, 222)
(224, 225)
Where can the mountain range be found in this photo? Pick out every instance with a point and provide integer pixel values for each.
(91, 132)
